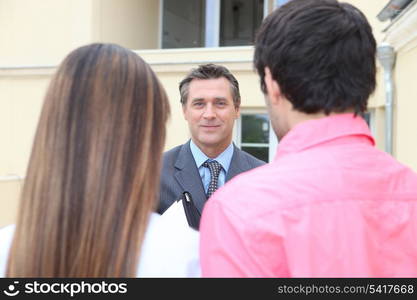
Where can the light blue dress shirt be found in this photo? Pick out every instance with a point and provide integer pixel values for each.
(224, 159)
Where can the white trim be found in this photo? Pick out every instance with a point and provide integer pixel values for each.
(11, 178)
(237, 136)
(212, 24)
(266, 7)
(402, 34)
(260, 145)
(273, 143)
(199, 61)
(197, 49)
(161, 60)
(160, 20)
(27, 71)
(17, 67)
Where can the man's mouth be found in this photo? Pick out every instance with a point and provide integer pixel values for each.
(210, 126)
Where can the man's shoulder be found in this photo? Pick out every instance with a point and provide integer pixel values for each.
(251, 160)
(173, 151)
(171, 155)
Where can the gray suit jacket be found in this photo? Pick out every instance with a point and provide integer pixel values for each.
(180, 174)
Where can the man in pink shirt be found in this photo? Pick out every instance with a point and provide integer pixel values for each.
(330, 204)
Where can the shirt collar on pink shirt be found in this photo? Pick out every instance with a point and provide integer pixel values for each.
(313, 132)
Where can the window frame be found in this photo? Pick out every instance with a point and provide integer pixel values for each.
(272, 139)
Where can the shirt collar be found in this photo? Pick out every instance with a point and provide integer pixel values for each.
(224, 158)
(313, 132)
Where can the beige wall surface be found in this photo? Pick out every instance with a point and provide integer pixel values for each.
(19, 113)
(131, 23)
(36, 33)
(42, 32)
(401, 34)
(177, 129)
(405, 136)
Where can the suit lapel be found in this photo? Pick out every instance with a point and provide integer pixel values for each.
(237, 165)
(188, 177)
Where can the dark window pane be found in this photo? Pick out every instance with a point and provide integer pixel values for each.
(259, 152)
(183, 23)
(255, 128)
(239, 21)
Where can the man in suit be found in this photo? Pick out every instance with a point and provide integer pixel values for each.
(210, 101)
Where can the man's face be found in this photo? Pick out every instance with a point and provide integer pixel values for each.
(210, 113)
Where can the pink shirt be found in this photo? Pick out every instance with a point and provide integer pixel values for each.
(329, 205)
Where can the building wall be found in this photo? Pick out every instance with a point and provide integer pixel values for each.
(21, 94)
(133, 24)
(405, 137)
(42, 32)
(401, 34)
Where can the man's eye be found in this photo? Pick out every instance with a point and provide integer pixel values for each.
(198, 104)
(221, 103)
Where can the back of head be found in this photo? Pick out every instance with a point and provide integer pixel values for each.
(93, 172)
(321, 53)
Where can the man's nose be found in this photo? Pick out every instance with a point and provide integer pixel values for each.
(209, 112)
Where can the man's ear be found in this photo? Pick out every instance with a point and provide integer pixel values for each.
(237, 112)
(272, 87)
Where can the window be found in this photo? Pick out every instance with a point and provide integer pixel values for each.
(238, 22)
(255, 135)
(183, 23)
(210, 23)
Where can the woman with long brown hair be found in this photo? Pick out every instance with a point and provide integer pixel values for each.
(93, 177)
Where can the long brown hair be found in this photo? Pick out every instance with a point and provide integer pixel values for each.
(93, 174)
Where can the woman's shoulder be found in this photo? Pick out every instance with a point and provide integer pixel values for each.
(7, 231)
(171, 228)
(170, 249)
(6, 237)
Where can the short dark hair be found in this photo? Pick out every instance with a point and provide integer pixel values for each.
(321, 53)
(210, 71)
